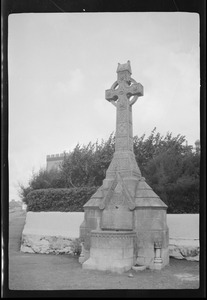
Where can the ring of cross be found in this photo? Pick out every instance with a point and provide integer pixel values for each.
(114, 87)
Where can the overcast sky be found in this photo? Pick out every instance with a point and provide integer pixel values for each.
(61, 64)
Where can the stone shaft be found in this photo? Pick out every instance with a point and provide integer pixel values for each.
(123, 94)
(124, 134)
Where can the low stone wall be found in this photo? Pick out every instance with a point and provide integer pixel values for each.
(58, 232)
(184, 236)
(52, 232)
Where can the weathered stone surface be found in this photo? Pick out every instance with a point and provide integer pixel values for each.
(184, 249)
(47, 244)
(111, 251)
(117, 219)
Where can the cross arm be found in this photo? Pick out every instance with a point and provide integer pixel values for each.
(111, 95)
(136, 90)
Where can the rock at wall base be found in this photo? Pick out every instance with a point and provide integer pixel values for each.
(189, 250)
(47, 244)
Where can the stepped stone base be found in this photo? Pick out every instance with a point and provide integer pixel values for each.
(111, 251)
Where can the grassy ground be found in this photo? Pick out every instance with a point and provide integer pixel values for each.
(63, 272)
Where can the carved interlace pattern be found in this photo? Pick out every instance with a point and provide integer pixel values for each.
(117, 235)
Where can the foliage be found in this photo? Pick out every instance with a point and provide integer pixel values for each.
(170, 167)
(24, 191)
(42, 180)
(84, 166)
(59, 199)
(76, 246)
(87, 165)
(146, 149)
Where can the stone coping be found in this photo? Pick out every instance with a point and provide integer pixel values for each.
(113, 233)
(146, 203)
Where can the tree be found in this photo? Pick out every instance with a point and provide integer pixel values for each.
(87, 165)
(169, 165)
(43, 179)
(171, 169)
(84, 166)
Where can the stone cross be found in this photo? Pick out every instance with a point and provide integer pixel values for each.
(125, 221)
(123, 94)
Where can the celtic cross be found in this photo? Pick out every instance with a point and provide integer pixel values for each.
(123, 94)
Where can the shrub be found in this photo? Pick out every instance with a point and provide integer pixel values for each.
(59, 199)
(76, 247)
(187, 202)
(170, 166)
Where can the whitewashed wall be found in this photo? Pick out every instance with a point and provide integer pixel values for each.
(183, 226)
(46, 232)
(65, 224)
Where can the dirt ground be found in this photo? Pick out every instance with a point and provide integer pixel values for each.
(33, 272)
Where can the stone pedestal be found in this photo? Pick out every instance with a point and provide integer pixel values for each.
(111, 251)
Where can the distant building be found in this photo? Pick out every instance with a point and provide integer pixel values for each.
(54, 161)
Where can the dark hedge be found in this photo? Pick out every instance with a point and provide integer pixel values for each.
(71, 199)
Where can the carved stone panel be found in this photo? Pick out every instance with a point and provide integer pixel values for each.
(116, 214)
(122, 129)
(121, 143)
(117, 219)
(121, 116)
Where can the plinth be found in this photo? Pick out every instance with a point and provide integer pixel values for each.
(111, 251)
